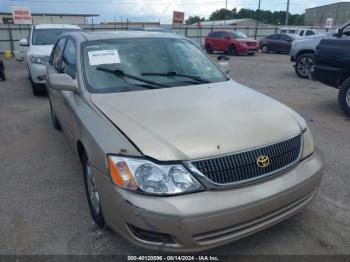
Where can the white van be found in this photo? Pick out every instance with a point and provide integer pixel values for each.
(40, 43)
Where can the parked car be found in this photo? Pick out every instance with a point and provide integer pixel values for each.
(40, 42)
(2, 71)
(333, 65)
(301, 32)
(303, 52)
(232, 42)
(160, 129)
(280, 43)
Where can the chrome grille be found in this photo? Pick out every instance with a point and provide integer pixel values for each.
(243, 166)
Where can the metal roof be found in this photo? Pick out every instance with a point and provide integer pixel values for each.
(320, 6)
(227, 22)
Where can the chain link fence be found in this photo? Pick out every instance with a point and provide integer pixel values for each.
(11, 34)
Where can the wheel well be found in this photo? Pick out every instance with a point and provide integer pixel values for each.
(80, 149)
(302, 52)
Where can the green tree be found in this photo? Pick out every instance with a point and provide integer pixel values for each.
(263, 16)
(194, 19)
(221, 14)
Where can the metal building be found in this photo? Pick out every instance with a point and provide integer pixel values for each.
(331, 15)
(51, 18)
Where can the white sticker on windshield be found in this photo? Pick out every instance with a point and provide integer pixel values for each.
(100, 57)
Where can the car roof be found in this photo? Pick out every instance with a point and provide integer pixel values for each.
(53, 26)
(107, 35)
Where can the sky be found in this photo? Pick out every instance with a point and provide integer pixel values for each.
(152, 10)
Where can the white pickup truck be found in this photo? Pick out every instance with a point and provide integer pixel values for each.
(303, 49)
(301, 32)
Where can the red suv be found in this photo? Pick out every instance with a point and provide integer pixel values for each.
(232, 42)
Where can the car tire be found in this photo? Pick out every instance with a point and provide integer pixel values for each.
(56, 124)
(304, 65)
(2, 76)
(209, 49)
(34, 86)
(91, 193)
(264, 49)
(232, 50)
(344, 97)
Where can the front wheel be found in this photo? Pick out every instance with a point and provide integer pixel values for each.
(264, 49)
(305, 65)
(232, 50)
(92, 194)
(209, 49)
(344, 97)
(3, 76)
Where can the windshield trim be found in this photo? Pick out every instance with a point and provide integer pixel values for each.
(92, 90)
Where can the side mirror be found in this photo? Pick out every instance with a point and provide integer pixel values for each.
(338, 32)
(227, 38)
(62, 82)
(23, 42)
(225, 67)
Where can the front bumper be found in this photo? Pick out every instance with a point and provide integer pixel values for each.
(37, 72)
(208, 219)
(247, 49)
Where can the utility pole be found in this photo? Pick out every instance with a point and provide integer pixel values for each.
(225, 12)
(257, 21)
(287, 13)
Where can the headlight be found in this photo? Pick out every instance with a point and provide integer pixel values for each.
(39, 59)
(145, 176)
(309, 146)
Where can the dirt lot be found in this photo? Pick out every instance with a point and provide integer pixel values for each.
(42, 201)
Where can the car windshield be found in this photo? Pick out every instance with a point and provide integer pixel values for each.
(238, 35)
(126, 65)
(48, 36)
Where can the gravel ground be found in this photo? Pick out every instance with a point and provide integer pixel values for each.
(42, 202)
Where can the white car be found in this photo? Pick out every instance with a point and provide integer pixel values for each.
(301, 32)
(40, 43)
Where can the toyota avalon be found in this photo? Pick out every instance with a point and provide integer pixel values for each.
(176, 155)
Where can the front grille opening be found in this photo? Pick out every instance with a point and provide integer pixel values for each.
(151, 236)
(243, 166)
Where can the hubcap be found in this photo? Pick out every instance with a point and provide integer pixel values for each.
(305, 66)
(93, 194)
(347, 97)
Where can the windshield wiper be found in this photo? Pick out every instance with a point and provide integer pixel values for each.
(120, 73)
(172, 74)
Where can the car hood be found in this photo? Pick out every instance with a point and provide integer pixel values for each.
(40, 50)
(193, 122)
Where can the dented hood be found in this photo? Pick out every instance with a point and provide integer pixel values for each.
(193, 122)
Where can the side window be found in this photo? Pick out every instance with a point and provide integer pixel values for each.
(56, 55)
(301, 33)
(69, 61)
(275, 37)
(283, 31)
(285, 38)
(221, 35)
(309, 32)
